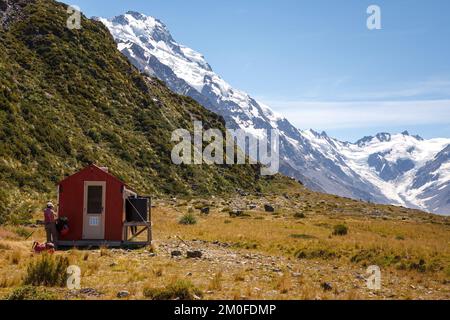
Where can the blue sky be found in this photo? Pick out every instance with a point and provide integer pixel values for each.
(316, 62)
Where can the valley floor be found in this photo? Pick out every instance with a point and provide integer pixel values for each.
(261, 255)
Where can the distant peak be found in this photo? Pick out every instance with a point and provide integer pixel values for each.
(143, 25)
(140, 16)
(417, 137)
(384, 136)
(136, 15)
(361, 142)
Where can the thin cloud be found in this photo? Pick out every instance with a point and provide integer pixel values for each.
(347, 115)
(430, 88)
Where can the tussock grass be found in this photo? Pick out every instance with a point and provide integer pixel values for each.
(216, 282)
(284, 283)
(14, 257)
(313, 253)
(188, 219)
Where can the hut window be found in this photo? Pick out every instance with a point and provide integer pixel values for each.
(95, 199)
(94, 221)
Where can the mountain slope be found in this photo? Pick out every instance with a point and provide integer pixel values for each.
(403, 167)
(68, 98)
(431, 183)
(148, 44)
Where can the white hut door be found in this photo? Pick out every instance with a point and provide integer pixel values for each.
(94, 210)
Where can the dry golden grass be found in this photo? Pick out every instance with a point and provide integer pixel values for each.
(266, 256)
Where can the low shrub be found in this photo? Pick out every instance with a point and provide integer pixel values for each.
(316, 254)
(180, 290)
(340, 230)
(302, 236)
(48, 270)
(31, 293)
(188, 219)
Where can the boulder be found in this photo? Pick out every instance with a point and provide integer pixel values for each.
(326, 286)
(123, 294)
(236, 213)
(194, 254)
(176, 253)
(269, 208)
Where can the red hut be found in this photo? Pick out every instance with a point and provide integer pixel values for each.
(98, 207)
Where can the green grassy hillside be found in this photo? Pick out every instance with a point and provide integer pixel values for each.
(69, 97)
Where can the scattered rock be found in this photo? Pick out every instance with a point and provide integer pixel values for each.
(236, 213)
(123, 294)
(252, 206)
(204, 210)
(194, 254)
(242, 193)
(90, 292)
(326, 286)
(113, 264)
(269, 208)
(176, 253)
(359, 276)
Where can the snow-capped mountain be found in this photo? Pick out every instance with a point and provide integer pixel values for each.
(408, 170)
(373, 169)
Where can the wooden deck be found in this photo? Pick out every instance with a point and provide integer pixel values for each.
(145, 227)
(129, 239)
(89, 243)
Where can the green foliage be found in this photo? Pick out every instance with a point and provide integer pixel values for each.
(31, 293)
(316, 253)
(302, 236)
(69, 97)
(340, 230)
(48, 270)
(400, 260)
(188, 219)
(180, 290)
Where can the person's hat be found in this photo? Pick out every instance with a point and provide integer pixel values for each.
(50, 205)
